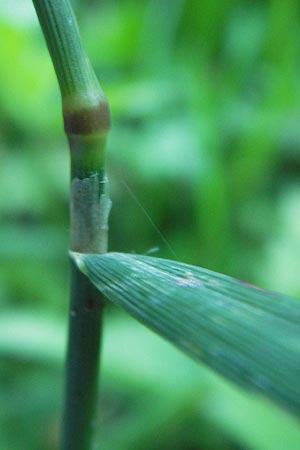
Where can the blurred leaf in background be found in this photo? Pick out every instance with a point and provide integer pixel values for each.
(205, 105)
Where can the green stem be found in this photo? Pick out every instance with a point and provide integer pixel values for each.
(86, 122)
(82, 364)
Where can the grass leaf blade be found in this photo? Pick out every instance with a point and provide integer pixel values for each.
(247, 334)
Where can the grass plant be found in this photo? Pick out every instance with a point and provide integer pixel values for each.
(248, 335)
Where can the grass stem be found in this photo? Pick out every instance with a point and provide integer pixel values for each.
(86, 123)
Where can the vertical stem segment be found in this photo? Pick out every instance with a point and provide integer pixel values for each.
(86, 123)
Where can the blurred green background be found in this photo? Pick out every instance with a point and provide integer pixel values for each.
(205, 132)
